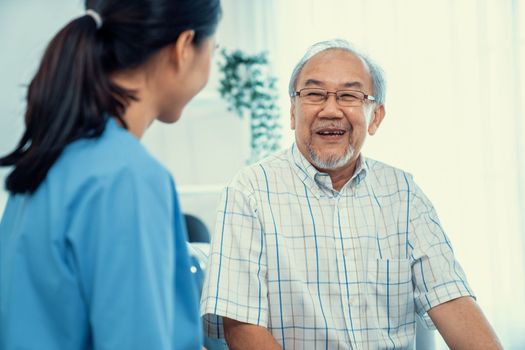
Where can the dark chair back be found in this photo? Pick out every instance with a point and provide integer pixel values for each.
(197, 230)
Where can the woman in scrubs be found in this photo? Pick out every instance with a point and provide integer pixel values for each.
(92, 242)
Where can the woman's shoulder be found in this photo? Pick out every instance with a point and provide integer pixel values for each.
(114, 152)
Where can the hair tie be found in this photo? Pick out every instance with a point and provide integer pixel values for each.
(96, 17)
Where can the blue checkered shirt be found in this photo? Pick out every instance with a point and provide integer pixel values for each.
(322, 269)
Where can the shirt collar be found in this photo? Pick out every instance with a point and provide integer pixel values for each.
(320, 182)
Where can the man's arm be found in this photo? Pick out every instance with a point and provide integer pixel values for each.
(240, 335)
(463, 325)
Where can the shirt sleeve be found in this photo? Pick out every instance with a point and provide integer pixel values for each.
(436, 274)
(129, 250)
(236, 282)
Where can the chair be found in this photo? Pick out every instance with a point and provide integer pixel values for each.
(424, 337)
(197, 230)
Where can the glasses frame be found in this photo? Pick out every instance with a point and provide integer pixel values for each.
(335, 93)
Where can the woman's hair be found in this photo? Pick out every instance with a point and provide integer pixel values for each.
(71, 96)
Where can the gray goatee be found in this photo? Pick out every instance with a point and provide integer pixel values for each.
(332, 161)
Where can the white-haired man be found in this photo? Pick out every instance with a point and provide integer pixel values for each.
(318, 247)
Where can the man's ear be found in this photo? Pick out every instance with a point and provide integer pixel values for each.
(181, 50)
(292, 115)
(377, 118)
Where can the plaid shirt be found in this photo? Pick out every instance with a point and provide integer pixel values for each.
(323, 269)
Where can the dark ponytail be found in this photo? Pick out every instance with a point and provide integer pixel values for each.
(66, 100)
(71, 95)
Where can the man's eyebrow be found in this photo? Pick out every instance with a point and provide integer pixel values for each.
(313, 82)
(349, 85)
(353, 84)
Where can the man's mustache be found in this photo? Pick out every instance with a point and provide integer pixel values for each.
(331, 125)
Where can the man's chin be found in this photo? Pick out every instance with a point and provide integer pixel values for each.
(331, 161)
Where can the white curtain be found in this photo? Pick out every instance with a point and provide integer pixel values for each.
(454, 119)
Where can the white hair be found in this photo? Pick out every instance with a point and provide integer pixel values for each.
(376, 73)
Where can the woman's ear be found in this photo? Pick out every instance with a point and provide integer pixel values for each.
(181, 51)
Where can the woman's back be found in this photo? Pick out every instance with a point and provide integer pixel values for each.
(73, 259)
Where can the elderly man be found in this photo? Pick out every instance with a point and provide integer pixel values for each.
(318, 247)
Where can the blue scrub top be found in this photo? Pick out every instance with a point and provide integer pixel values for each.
(96, 258)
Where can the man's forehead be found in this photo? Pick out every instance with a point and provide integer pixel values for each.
(348, 69)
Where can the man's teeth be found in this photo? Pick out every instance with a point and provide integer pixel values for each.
(338, 132)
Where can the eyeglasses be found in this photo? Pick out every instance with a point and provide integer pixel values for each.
(345, 98)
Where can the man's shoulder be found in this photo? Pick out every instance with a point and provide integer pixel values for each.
(377, 166)
(387, 175)
(260, 173)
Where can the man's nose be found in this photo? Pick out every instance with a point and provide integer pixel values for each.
(330, 107)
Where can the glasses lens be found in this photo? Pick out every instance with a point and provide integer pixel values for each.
(313, 95)
(350, 98)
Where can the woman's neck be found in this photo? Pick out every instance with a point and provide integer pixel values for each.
(140, 113)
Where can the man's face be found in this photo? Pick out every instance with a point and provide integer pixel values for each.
(330, 136)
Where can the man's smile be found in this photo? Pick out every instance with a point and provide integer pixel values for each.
(331, 133)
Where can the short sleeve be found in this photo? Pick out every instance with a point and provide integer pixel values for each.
(436, 274)
(129, 250)
(236, 283)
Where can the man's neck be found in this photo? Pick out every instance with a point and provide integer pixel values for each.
(341, 176)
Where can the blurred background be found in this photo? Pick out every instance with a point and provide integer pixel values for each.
(455, 113)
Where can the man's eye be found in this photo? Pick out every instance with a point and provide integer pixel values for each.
(348, 96)
(314, 94)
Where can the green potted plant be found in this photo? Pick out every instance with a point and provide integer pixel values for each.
(250, 91)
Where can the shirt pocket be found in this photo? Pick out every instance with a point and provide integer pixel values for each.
(390, 296)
